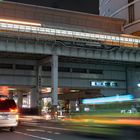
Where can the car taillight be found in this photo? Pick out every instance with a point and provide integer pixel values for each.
(15, 110)
(2, 99)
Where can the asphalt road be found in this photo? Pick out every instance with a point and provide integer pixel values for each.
(51, 131)
(46, 130)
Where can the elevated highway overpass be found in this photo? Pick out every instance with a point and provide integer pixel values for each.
(36, 52)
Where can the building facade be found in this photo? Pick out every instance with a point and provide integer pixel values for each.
(124, 9)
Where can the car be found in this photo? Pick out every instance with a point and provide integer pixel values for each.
(8, 114)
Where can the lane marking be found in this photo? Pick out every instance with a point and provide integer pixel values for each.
(57, 133)
(35, 130)
(49, 132)
(33, 136)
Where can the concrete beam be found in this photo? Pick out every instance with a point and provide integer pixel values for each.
(45, 60)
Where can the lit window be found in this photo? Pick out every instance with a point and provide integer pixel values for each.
(42, 30)
(121, 38)
(87, 34)
(130, 40)
(3, 25)
(126, 39)
(52, 31)
(28, 27)
(16, 26)
(102, 36)
(10, 25)
(96, 35)
(109, 37)
(93, 35)
(34, 28)
(136, 40)
(58, 31)
(69, 32)
(113, 38)
(117, 39)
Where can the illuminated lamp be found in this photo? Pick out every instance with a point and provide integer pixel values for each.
(19, 22)
(138, 84)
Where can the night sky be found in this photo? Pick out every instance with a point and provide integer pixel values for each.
(88, 6)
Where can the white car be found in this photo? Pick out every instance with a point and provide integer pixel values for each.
(8, 114)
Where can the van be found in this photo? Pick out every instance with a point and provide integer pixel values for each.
(8, 114)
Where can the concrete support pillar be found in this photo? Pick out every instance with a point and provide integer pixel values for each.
(54, 75)
(34, 98)
(38, 78)
(35, 93)
(20, 100)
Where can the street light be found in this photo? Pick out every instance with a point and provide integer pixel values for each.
(138, 84)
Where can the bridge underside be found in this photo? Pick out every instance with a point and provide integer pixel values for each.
(40, 48)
